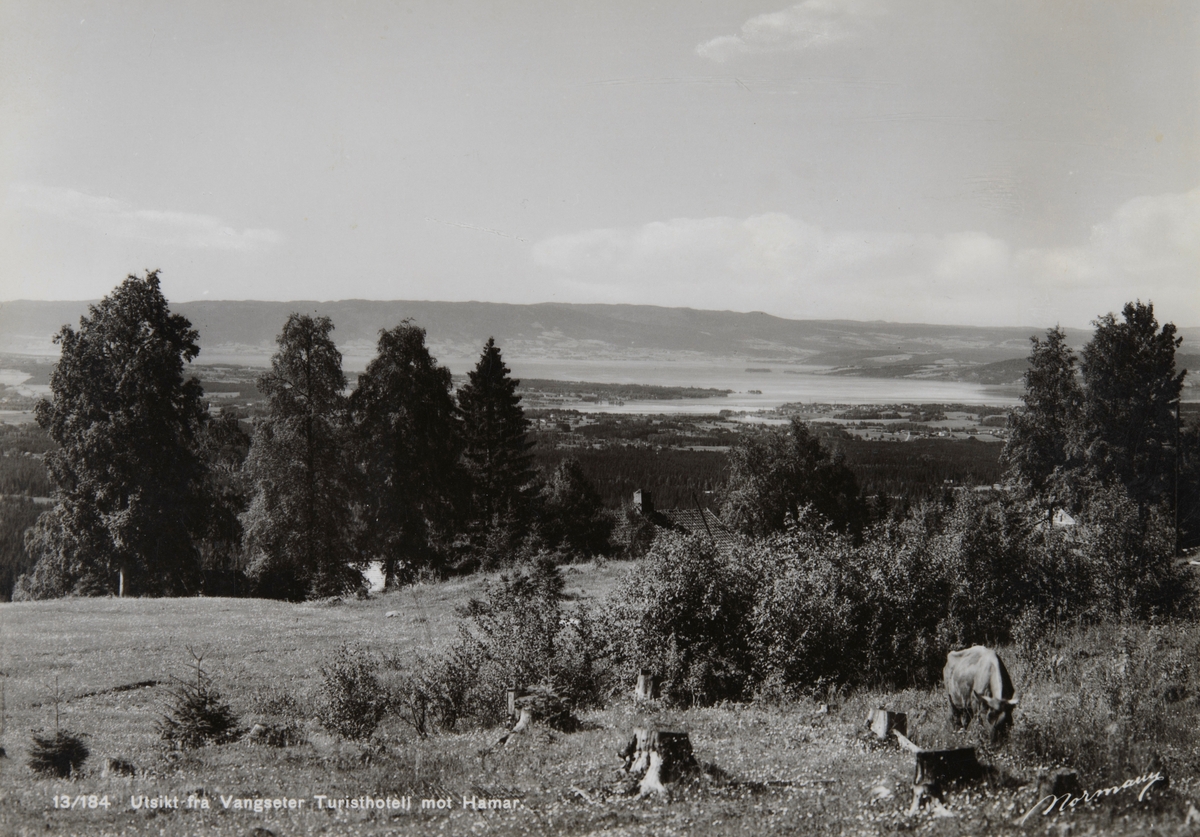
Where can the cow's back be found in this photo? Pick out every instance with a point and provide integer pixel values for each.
(975, 670)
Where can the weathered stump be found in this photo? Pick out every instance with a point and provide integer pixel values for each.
(937, 769)
(514, 694)
(647, 686)
(884, 724)
(658, 756)
(1057, 782)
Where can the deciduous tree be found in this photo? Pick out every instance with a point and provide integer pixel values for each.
(774, 475)
(1044, 433)
(573, 517)
(130, 482)
(407, 441)
(299, 528)
(1130, 390)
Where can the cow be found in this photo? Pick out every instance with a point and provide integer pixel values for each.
(976, 680)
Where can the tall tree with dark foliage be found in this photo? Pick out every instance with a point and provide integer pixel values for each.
(496, 447)
(774, 475)
(1131, 387)
(1042, 448)
(128, 476)
(406, 438)
(573, 518)
(299, 528)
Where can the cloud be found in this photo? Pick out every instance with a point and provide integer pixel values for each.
(1149, 248)
(808, 24)
(114, 218)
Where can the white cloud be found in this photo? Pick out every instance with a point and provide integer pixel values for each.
(808, 24)
(114, 218)
(1149, 248)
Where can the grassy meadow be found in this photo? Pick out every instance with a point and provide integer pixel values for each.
(1113, 701)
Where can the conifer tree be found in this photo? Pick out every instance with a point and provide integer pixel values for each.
(495, 447)
(407, 443)
(129, 480)
(299, 528)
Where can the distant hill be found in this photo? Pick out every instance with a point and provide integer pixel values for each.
(244, 332)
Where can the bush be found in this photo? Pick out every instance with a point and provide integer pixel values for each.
(60, 754)
(351, 699)
(684, 611)
(198, 715)
(520, 634)
(1129, 551)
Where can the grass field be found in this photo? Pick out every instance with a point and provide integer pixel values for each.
(785, 769)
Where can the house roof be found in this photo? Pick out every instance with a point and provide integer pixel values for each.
(698, 522)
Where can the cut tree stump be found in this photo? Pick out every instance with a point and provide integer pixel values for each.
(1058, 782)
(658, 756)
(515, 693)
(883, 724)
(647, 686)
(936, 769)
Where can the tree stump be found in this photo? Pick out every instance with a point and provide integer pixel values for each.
(515, 693)
(937, 769)
(883, 724)
(647, 686)
(658, 756)
(1058, 782)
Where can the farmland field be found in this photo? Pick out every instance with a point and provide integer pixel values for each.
(773, 769)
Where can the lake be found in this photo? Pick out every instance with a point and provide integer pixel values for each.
(784, 383)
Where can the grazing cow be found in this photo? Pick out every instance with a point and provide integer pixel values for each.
(976, 679)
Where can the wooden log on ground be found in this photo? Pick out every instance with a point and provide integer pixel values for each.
(884, 723)
(647, 686)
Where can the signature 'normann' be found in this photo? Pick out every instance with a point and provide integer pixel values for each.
(1067, 800)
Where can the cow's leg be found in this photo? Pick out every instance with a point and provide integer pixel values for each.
(954, 715)
(960, 717)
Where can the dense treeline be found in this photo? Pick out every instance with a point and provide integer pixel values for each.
(674, 478)
(922, 468)
(24, 474)
(903, 472)
(156, 496)
(17, 515)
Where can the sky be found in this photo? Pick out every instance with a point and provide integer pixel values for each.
(997, 162)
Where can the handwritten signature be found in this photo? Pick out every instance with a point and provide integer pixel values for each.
(1067, 801)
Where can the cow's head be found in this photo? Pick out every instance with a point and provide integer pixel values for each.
(997, 715)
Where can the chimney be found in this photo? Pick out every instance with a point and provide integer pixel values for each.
(642, 502)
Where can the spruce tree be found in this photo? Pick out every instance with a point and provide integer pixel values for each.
(407, 444)
(495, 448)
(128, 476)
(299, 528)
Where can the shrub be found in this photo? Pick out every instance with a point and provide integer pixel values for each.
(685, 612)
(1129, 552)
(351, 699)
(197, 714)
(520, 634)
(59, 754)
